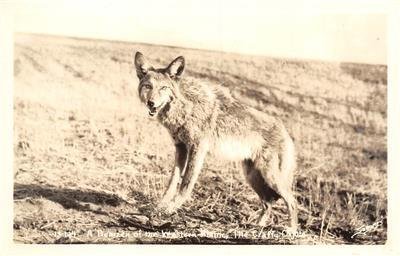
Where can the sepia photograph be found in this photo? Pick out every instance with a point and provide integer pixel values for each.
(207, 122)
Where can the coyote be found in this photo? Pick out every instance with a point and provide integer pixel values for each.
(204, 118)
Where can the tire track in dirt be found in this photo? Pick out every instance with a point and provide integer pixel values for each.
(32, 55)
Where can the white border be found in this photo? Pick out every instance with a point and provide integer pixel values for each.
(6, 154)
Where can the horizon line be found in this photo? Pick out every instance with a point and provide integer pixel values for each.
(127, 41)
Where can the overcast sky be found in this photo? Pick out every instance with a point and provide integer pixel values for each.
(251, 26)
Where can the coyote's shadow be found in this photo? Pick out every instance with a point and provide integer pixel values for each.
(69, 198)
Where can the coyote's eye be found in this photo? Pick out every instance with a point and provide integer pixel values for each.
(147, 86)
(164, 88)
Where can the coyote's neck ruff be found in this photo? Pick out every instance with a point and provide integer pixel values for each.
(204, 118)
(192, 101)
(175, 113)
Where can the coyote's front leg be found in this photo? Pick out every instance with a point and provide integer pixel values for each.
(181, 156)
(196, 155)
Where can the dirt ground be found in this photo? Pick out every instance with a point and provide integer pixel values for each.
(90, 165)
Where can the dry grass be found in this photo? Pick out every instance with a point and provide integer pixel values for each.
(90, 165)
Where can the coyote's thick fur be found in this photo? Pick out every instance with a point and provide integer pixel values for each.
(203, 118)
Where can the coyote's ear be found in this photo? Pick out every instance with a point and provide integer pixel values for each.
(175, 69)
(142, 65)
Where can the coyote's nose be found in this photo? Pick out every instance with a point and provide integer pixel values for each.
(150, 103)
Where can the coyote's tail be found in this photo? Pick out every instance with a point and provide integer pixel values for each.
(288, 157)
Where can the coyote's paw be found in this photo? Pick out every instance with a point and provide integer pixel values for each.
(264, 221)
(167, 207)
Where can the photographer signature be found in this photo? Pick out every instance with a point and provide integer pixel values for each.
(363, 230)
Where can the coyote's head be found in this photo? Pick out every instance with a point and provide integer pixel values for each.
(157, 86)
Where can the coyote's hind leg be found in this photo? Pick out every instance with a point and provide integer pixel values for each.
(264, 191)
(280, 181)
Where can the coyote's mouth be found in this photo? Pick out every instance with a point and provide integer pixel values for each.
(154, 110)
